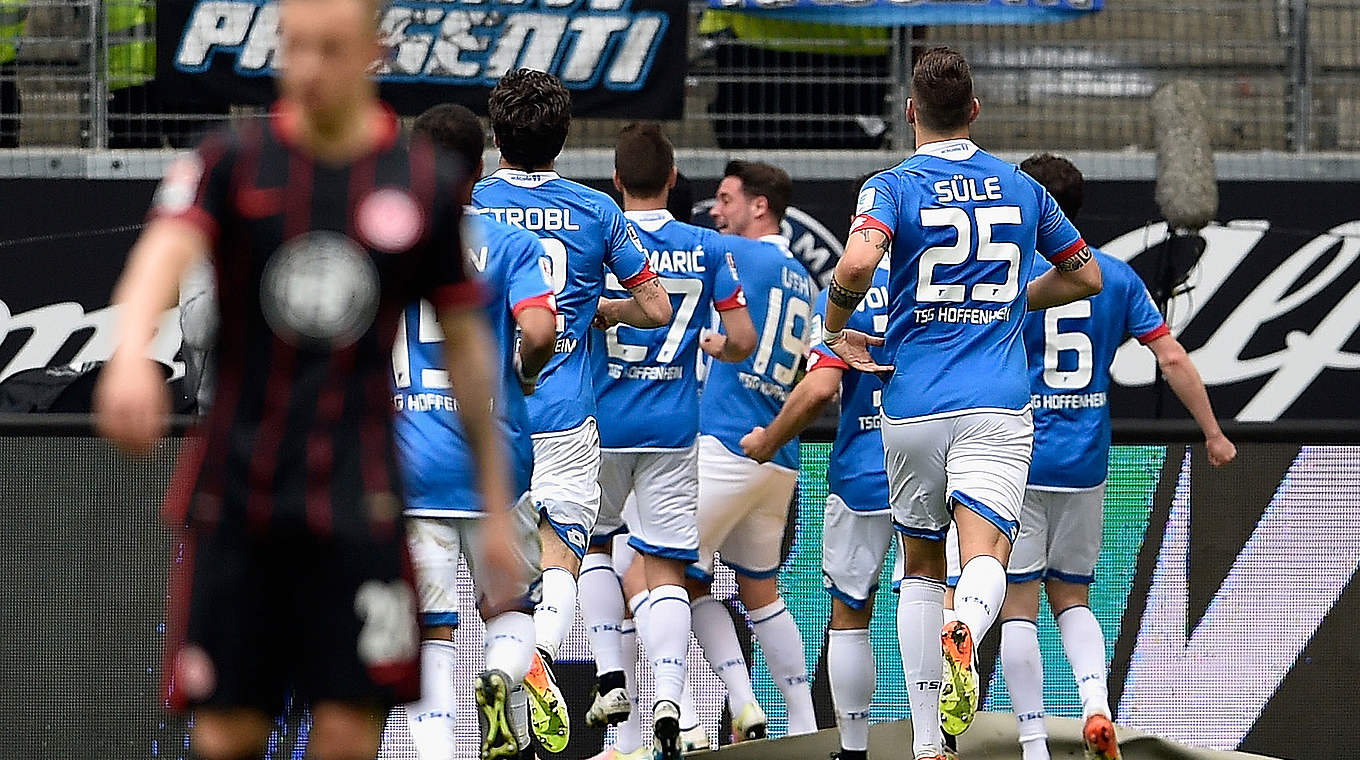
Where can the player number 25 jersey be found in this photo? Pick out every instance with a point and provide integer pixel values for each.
(738, 397)
(963, 224)
(646, 381)
(1071, 348)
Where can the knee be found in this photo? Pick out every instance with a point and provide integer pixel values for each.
(236, 736)
(756, 593)
(924, 558)
(344, 732)
(847, 618)
(1062, 595)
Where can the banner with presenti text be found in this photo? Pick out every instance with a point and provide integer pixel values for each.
(619, 58)
(915, 12)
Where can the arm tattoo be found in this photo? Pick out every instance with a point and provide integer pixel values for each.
(844, 297)
(1075, 262)
(883, 243)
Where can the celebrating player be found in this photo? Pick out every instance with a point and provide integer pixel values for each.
(744, 504)
(322, 223)
(957, 428)
(653, 457)
(857, 526)
(436, 467)
(583, 232)
(1070, 350)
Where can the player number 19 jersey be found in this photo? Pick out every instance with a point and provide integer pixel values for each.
(963, 224)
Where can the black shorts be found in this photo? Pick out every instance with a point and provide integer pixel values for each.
(253, 617)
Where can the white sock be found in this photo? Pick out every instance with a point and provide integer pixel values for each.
(1084, 643)
(850, 666)
(667, 639)
(433, 720)
(920, 617)
(689, 712)
(978, 597)
(782, 645)
(717, 636)
(628, 734)
(510, 644)
(519, 714)
(950, 615)
(602, 611)
(1023, 667)
(554, 615)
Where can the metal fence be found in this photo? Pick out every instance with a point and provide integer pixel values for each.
(1280, 74)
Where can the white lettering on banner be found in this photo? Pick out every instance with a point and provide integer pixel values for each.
(50, 327)
(605, 44)
(1226, 672)
(1305, 355)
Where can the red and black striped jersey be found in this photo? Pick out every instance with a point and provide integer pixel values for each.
(315, 262)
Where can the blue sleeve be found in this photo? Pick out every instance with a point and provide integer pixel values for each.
(722, 271)
(1142, 319)
(1056, 239)
(878, 204)
(626, 257)
(529, 283)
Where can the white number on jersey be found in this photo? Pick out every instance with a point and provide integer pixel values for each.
(427, 331)
(1073, 340)
(689, 290)
(556, 251)
(929, 291)
(791, 341)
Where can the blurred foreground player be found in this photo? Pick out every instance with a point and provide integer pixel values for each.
(438, 471)
(654, 456)
(857, 526)
(744, 504)
(322, 223)
(957, 428)
(583, 233)
(1071, 349)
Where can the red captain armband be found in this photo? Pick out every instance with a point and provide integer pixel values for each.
(817, 359)
(645, 275)
(1154, 334)
(1067, 253)
(735, 301)
(546, 301)
(866, 222)
(458, 295)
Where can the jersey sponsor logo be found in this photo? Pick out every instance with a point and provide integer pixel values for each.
(179, 187)
(634, 239)
(468, 43)
(388, 219)
(320, 291)
(645, 372)
(961, 315)
(867, 198)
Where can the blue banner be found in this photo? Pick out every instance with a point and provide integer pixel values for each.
(914, 12)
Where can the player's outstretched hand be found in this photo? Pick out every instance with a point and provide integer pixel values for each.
(713, 343)
(853, 346)
(1221, 450)
(756, 445)
(131, 403)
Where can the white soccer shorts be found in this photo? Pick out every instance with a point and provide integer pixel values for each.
(1060, 535)
(979, 460)
(743, 507)
(566, 482)
(854, 545)
(665, 486)
(436, 543)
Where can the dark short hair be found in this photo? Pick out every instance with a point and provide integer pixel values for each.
(680, 202)
(761, 179)
(453, 128)
(530, 114)
(1061, 178)
(643, 159)
(942, 90)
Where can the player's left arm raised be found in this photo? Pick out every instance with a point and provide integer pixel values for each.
(1185, 381)
(1076, 273)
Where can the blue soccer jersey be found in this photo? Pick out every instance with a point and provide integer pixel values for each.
(437, 464)
(583, 232)
(963, 226)
(738, 397)
(857, 473)
(1070, 350)
(646, 383)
